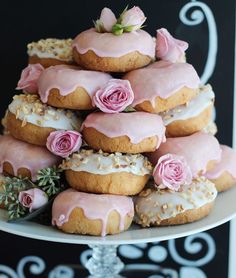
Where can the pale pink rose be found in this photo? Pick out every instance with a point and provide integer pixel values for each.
(114, 96)
(171, 172)
(33, 198)
(107, 19)
(29, 78)
(133, 19)
(63, 143)
(168, 48)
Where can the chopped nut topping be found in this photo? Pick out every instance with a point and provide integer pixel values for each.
(61, 49)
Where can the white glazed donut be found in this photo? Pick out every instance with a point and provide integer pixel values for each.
(165, 207)
(116, 173)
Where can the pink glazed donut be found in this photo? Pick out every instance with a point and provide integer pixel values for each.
(69, 87)
(135, 132)
(163, 85)
(110, 53)
(223, 175)
(21, 159)
(201, 151)
(82, 213)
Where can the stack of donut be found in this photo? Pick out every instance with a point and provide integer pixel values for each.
(149, 153)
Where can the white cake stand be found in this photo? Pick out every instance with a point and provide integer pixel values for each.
(104, 261)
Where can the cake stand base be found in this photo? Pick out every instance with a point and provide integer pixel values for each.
(104, 262)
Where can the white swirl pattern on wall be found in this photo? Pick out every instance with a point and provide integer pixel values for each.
(193, 247)
(197, 17)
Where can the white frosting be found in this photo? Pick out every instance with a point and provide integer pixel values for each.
(210, 128)
(103, 163)
(195, 107)
(51, 48)
(50, 117)
(157, 205)
(40, 54)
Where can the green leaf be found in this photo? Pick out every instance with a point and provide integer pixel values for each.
(33, 214)
(49, 180)
(117, 29)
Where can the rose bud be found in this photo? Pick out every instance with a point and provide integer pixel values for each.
(106, 21)
(114, 96)
(168, 48)
(33, 198)
(172, 171)
(132, 19)
(29, 78)
(63, 143)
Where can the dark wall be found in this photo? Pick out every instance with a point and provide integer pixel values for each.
(24, 21)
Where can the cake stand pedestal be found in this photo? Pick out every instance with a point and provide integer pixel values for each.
(104, 262)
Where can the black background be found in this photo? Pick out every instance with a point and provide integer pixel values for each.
(24, 21)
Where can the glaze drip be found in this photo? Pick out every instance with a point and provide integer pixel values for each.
(94, 207)
(23, 155)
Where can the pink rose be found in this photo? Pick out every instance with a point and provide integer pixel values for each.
(168, 48)
(114, 97)
(132, 19)
(33, 198)
(171, 172)
(29, 78)
(63, 143)
(106, 21)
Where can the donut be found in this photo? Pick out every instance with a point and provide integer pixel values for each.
(135, 132)
(163, 85)
(50, 52)
(82, 213)
(223, 175)
(200, 150)
(99, 172)
(29, 120)
(110, 53)
(191, 117)
(68, 87)
(165, 207)
(21, 159)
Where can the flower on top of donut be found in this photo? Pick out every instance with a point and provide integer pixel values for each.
(106, 21)
(128, 21)
(172, 171)
(168, 48)
(64, 142)
(29, 78)
(114, 97)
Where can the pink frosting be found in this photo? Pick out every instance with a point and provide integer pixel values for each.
(197, 149)
(161, 79)
(226, 164)
(67, 78)
(169, 48)
(95, 207)
(136, 125)
(109, 45)
(23, 155)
